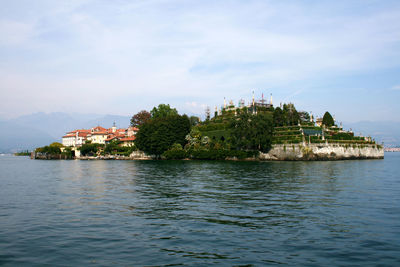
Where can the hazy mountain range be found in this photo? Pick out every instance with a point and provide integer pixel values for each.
(39, 129)
(387, 132)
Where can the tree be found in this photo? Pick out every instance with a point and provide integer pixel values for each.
(140, 118)
(291, 116)
(278, 117)
(327, 120)
(52, 149)
(304, 116)
(56, 144)
(208, 113)
(253, 132)
(194, 120)
(162, 111)
(112, 146)
(158, 134)
(175, 152)
(90, 149)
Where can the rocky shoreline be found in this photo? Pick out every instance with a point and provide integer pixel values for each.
(287, 152)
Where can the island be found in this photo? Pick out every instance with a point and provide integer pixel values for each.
(254, 131)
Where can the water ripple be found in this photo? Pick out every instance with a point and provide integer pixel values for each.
(199, 213)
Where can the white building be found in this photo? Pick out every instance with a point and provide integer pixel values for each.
(68, 140)
(99, 135)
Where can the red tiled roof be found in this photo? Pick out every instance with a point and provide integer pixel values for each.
(99, 129)
(83, 134)
(111, 138)
(79, 131)
(116, 130)
(99, 133)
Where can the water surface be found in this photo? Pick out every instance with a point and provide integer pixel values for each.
(200, 213)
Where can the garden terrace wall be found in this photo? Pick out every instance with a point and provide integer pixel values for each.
(332, 151)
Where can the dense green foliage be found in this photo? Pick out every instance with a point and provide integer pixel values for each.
(212, 126)
(219, 154)
(23, 153)
(67, 153)
(304, 116)
(115, 148)
(342, 136)
(287, 116)
(194, 120)
(239, 133)
(253, 132)
(327, 120)
(55, 149)
(90, 149)
(163, 111)
(52, 149)
(158, 134)
(175, 152)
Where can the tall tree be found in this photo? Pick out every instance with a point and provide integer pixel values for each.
(278, 117)
(304, 116)
(157, 135)
(327, 120)
(162, 111)
(194, 120)
(208, 113)
(291, 116)
(140, 118)
(253, 132)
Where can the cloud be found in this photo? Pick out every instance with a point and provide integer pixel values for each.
(396, 87)
(15, 32)
(184, 52)
(195, 108)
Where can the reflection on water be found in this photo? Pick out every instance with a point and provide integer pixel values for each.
(199, 212)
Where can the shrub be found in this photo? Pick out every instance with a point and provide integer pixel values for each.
(90, 149)
(175, 152)
(220, 154)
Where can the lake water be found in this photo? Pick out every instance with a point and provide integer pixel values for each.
(199, 213)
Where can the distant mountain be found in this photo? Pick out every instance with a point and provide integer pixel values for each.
(14, 137)
(38, 129)
(382, 131)
(107, 121)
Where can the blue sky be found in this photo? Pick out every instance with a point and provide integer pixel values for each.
(119, 57)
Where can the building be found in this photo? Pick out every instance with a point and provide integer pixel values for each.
(318, 122)
(252, 107)
(75, 138)
(100, 135)
(127, 141)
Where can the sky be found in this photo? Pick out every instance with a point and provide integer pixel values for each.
(120, 57)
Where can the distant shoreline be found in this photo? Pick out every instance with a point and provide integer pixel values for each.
(392, 149)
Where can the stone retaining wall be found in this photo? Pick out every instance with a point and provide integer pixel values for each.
(323, 152)
(139, 155)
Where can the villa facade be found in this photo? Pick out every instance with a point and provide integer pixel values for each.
(100, 135)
